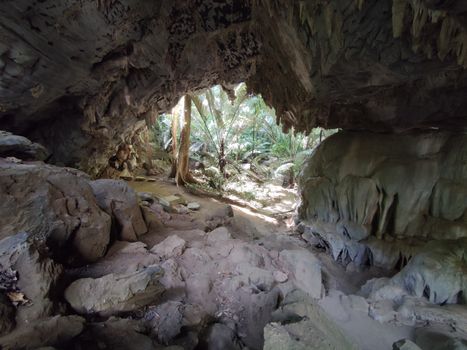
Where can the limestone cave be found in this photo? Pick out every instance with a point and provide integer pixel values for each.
(233, 175)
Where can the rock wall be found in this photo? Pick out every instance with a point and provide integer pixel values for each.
(378, 198)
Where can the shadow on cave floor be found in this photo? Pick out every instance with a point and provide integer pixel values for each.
(253, 249)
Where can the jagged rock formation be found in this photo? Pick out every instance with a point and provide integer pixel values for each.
(53, 203)
(116, 198)
(82, 77)
(115, 293)
(394, 201)
(378, 198)
(63, 207)
(20, 147)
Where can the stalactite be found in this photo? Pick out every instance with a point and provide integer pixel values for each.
(445, 38)
(328, 19)
(419, 20)
(398, 15)
(359, 4)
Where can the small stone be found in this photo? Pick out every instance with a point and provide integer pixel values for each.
(383, 311)
(181, 209)
(145, 196)
(140, 178)
(193, 206)
(171, 200)
(405, 344)
(280, 276)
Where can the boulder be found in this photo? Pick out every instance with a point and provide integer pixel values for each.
(115, 293)
(219, 235)
(53, 203)
(46, 332)
(440, 339)
(260, 278)
(151, 218)
(33, 275)
(165, 320)
(413, 310)
(116, 334)
(170, 247)
(220, 337)
(305, 268)
(117, 199)
(20, 147)
(284, 175)
(304, 326)
(437, 272)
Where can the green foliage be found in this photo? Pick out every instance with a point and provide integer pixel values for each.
(161, 131)
(245, 124)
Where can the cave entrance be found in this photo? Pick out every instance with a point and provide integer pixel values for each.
(226, 143)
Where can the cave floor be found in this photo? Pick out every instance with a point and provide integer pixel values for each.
(234, 276)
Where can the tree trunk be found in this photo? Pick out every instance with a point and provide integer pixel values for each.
(183, 174)
(174, 131)
(222, 160)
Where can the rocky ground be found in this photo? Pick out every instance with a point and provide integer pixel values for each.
(96, 265)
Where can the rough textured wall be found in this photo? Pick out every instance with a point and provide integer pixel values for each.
(81, 76)
(382, 196)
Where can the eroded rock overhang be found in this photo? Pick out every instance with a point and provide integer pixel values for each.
(82, 76)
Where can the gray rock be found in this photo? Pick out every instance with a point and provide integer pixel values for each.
(221, 337)
(152, 219)
(280, 276)
(20, 147)
(258, 277)
(116, 198)
(193, 206)
(170, 247)
(46, 332)
(114, 293)
(405, 344)
(116, 334)
(305, 268)
(304, 326)
(219, 234)
(53, 203)
(383, 311)
(413, 310)
(371, 197)
(37, 275)
(437, 272)
(438, 338)
(165, 321)
(146, 197)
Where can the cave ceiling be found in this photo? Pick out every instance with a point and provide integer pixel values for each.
(85, 72)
